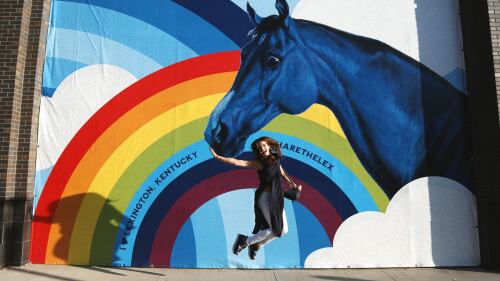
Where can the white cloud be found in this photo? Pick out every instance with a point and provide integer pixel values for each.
(429, 222)
(390, 21)
(76, 99)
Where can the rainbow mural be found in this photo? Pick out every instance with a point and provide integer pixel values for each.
(141, 163)
(135, 184)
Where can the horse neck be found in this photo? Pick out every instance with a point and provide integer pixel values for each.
(333, 60)
(346, 66)
(402, 120)
(337, 70)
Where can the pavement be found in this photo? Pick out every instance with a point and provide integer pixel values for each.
(94, 273)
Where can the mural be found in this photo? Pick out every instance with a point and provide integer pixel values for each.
(291, 64)
(370, 125)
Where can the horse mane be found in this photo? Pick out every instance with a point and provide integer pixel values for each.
(267, 25)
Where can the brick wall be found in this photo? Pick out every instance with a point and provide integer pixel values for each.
(494, 20)
(23, 31)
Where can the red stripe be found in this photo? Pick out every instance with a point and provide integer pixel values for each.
(102, 120)
(214, 186)
(320, 207)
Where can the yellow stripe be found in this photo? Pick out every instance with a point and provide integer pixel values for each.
(323, 115)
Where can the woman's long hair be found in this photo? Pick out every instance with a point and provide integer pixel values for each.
(275, 150)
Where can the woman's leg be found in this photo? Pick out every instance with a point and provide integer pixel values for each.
(283, 232)
(243, 241)
(265, 236)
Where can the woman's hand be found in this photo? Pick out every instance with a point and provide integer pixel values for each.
(297, 186)
(214, 153)
(293, 193)
(235, 162)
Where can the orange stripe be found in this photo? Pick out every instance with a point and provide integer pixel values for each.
(89, 165)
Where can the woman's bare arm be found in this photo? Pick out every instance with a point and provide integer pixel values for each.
(236, 162)
(289, 180)
(285, 176)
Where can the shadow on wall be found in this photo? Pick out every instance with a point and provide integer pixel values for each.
(441, 50)
(440, 40)
(66, 225)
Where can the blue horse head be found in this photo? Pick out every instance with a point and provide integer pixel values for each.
(403, 120)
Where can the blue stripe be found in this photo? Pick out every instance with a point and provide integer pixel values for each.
(48, 92)
(209, 235)
(87, 48)
(55, 71)
(139, 35)
(41, 177)
(284, 252)
(312, 235)
(184, 250)
(174, 20)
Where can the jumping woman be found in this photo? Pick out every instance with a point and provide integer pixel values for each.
(270, 217)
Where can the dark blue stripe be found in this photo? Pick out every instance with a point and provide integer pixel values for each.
(182, 184)
(172, 19)
(223, 14)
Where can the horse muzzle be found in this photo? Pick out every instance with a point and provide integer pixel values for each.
(219, 140)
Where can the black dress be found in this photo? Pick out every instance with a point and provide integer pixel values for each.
(270, 175)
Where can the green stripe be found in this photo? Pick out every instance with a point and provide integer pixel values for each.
(132, 178)
(145, 164)
(335, 145)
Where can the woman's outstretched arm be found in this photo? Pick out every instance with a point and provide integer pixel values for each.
(236, 162)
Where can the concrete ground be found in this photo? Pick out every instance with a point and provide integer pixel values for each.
(70, 273)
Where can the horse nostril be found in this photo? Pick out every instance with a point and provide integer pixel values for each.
(220, 133)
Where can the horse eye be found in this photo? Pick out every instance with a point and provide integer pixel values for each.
(273, 62)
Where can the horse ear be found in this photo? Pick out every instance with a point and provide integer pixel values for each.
(283, 11)
(282, 8)
(254, 18)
